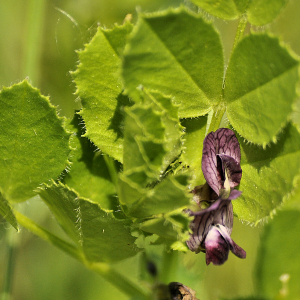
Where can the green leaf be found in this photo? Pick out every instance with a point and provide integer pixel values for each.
(98, 234)
(89, 174)
(152, 136)
(34, 144)
(260, 87)
(100, 89)
(224, 9)
(173, 226)
(7, 213)
(268, 176)
(278, 255)
(152, 141)
(191, 68)
(166, 196)
(262, 12)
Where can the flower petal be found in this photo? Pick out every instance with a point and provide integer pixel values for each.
(221, 151)
(217, 248)
(209, 163)
(232, 169)
(227, 143)
(236, 250)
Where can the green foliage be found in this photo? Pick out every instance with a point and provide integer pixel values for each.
(100, 89)
(254, 78)
(98, 235)
(193, 74)
(268, 176)
(259, 12)
(34, 144)
(263, 12)
(89, 174)
(280, 244)
(117, 176)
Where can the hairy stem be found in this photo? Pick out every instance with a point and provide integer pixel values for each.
(240, 31)
(215, 119)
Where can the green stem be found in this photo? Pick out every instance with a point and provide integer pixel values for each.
(10, 264)
(105, 270)
(48, 236)
(216, 118)
(169, 267)
(240, 31)
(118, 280)
(34, 40)
(110, 163)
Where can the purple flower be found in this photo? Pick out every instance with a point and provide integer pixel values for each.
(212, 226)
(221, 160)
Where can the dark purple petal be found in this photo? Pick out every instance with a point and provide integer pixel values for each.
(220, 212)
(236, 250)
(227, 143)
(209, 163)
(221, 153)
(216, 247)
(200, 226)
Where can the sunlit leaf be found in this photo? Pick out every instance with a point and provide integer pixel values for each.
(100, 89)
(278, 258)
(225, 9)
(100, 236)
(268, 176)
(7, 213)
(262, 12)
(260, 87)
(179, 54)
(34, 144)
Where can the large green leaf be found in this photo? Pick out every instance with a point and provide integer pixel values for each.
(100, 89)
(262, 12)
(279, 255)
(7, 213)
(34, 145)
(268, 176)
(98, 234)
(89, 174)
(179, 54)
(260, 87)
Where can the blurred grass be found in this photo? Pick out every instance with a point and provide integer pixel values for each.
(43, 272)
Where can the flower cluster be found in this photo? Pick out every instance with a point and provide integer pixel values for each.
(212, 226)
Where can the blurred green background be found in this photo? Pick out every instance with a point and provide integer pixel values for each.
(39, 39)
